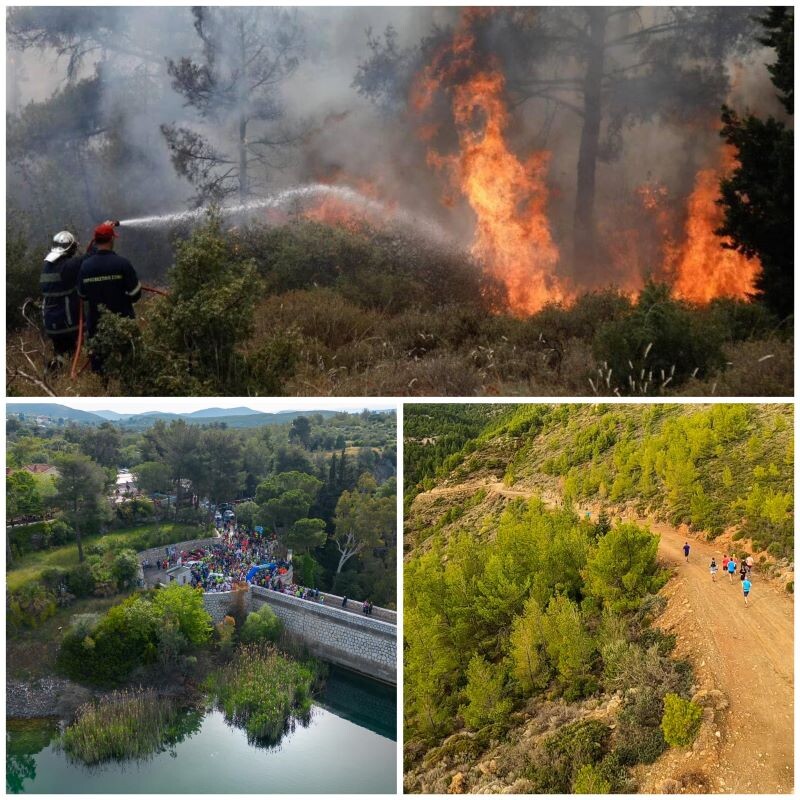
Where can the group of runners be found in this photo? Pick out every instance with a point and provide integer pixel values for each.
(731, 566)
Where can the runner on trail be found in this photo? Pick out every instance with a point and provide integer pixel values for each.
(731, 568)
(725, 561)
(713, 569)
(742, 571)
(686, 551)
(746, 589)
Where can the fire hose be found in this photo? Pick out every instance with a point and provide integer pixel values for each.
(74, 372)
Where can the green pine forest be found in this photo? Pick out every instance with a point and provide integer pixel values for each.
(522, 609)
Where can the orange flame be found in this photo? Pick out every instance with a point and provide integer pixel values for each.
(704, 269)
(509, 196)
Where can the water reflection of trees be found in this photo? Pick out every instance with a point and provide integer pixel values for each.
(186, 724)
(24, 739)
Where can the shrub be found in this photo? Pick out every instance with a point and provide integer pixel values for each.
(590, 780)
(306, 570)
(681, 720)
(77, 644)
(639, 738)
(30, 606)
(184, 606)
(225, 632)
(557, 764)
(261, 626)
(81, 580)
(58, 532)
(486, 701)
(125, 568)
(661, 335)
(53, 578)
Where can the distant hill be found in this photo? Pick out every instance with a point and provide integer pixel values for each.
(239, 417)
(53, 411)
(241, 411)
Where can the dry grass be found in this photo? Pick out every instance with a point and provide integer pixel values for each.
(340, 348)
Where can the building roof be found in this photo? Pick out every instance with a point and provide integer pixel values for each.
(36, 469)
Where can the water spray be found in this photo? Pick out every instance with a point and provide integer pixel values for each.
(299, 195)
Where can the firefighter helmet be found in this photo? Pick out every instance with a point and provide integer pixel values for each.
(63, 242)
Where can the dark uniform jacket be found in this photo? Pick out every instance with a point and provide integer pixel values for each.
(59, 282)
(109, 280)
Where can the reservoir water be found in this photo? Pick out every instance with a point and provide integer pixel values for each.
(348, 746)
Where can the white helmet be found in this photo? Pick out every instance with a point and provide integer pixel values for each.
(63, 242)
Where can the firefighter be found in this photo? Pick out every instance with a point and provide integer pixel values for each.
(107, 281)
(61, 304)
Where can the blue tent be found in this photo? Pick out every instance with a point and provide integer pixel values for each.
(259, 529)
(254, 570)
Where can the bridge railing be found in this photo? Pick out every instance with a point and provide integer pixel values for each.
(387, 622)
(356, 607)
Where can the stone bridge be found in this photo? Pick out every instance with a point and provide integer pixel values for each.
(345, 637)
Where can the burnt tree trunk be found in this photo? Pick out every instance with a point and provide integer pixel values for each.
(244, 188)
(584, 228)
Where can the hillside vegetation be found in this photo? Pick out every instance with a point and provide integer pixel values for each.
(310, 309)
(713, 468)
(535, 661)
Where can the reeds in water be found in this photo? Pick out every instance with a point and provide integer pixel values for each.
(263, 691)
(121, 725)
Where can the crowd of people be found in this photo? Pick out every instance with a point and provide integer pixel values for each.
(240, 558)
(731, 567)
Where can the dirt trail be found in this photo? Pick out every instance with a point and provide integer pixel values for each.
(747, 651)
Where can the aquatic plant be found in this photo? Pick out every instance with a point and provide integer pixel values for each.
(264, 692)
(124, 725)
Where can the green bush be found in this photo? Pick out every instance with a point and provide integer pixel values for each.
(306, 570)
(261, 626)
(29, 606)
(679, 343)
(58, 532)
(639, 738)
(386, 270)
(590, 780)
(53, 578)
(125, 568)
(137, 632)
(77, 645)
(681, 720)
(555, 766)
(80, 580)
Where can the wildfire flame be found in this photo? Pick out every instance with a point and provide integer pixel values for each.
(704, 269)
(509, 197)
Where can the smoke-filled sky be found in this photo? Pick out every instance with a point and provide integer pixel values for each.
(420, 158)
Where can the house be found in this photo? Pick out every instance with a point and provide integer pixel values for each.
(180, 575)
(37, 469)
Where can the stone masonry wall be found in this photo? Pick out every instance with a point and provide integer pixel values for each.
(360, 643)
(363, 644)
(158, 552)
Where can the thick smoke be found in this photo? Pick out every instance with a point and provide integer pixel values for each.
(346, 138)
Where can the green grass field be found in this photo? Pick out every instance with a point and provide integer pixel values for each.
(30, 566)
